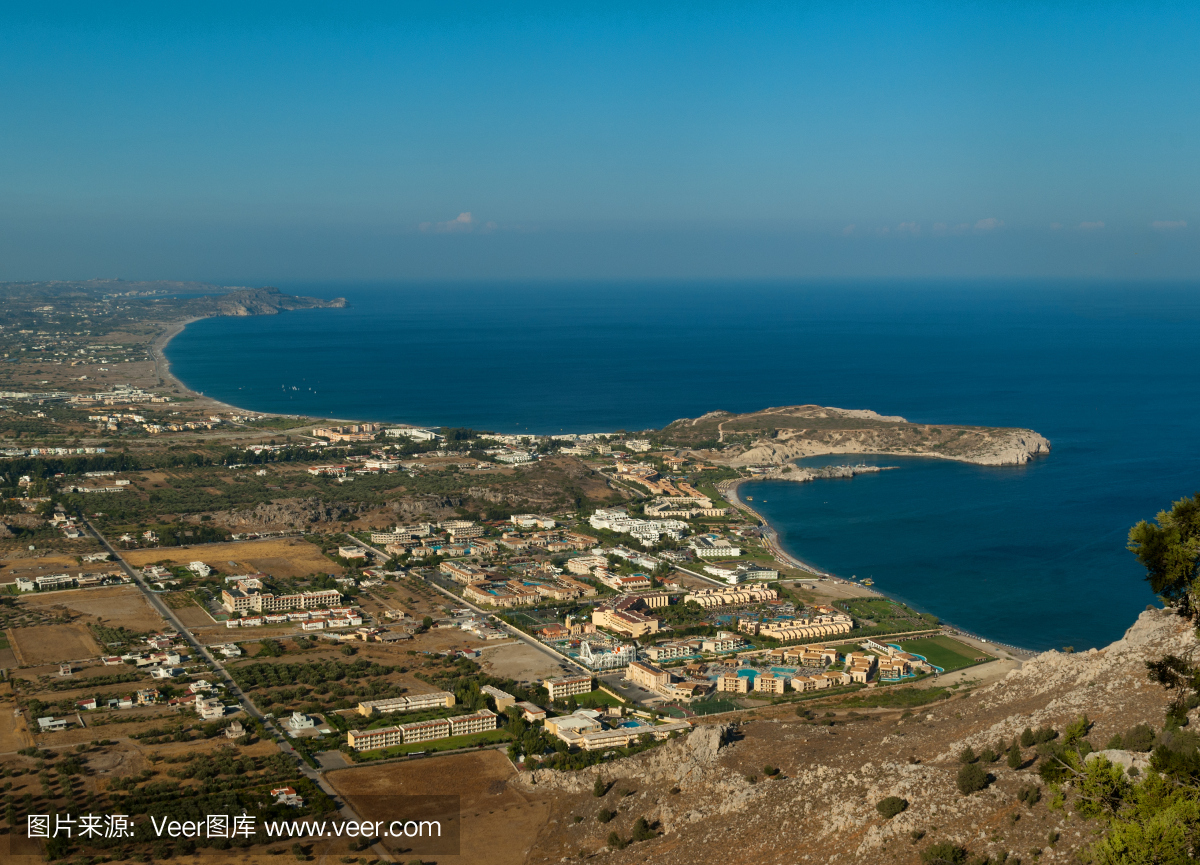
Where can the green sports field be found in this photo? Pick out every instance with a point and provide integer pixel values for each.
(944, 652)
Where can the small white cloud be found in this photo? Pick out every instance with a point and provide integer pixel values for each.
(1091, 226)
(908, 228)
(1168, 225)
(849, 230)
(462, 222)
(989, 224)
(1055, 226)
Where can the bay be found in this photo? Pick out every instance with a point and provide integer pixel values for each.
(1030, 555)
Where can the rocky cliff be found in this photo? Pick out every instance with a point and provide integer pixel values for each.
(708, 794)
(776, 436)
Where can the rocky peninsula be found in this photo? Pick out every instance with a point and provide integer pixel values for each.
(777, 436)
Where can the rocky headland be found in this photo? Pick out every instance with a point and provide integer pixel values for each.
(777, 436)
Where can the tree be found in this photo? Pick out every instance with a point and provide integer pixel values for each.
(967, 756)
(599, 788)
(1168, 549)
(1015, 760)
(971, 779)
(642, 831)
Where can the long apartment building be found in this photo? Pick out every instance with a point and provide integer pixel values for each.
(801, 629)
(409, 703)
(243, 597)
(422, 731)
(710, 598)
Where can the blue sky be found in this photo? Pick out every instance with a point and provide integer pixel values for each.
(281, 142)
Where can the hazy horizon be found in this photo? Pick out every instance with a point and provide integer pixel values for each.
(270, 142)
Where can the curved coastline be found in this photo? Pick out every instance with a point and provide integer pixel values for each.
(729, 489)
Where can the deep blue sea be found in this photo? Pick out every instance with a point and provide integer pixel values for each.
(1032, 556)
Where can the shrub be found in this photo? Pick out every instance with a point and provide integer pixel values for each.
(1114, 744)
(916, 835)
(1140, 738)
(944, 852)
(967, 756)
(1045, 734)
(971, 779)
(642, 830)
(616, 842)
(1027, 740)
(770, 771)
(1015, 760)
(599, 788)
(604, 815)
(891, 806)
(1029, 795)
(988, 756)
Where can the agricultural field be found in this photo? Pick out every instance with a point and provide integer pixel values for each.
(30, 567)
(117, 606)
(276, 557)
(499, 824)
(48, 644)
(945, 652)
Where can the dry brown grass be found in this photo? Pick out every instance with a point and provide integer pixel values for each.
(13, 733)
(499, 824)
(48, 644)
(118, 606)
(279, 557)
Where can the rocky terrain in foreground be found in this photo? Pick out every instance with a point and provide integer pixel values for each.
(707, 795)
(776, 436)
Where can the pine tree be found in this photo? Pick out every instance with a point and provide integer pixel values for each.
(1014, 757)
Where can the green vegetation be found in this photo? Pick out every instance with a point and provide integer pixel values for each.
(898, 698)
(971, 779)
(945, 652)
(1168, 549)
(891, 806)
(944, 852)
(597, 699)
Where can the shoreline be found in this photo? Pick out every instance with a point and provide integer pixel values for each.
(729, 489)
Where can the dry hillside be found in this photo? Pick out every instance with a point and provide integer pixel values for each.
(710, 798)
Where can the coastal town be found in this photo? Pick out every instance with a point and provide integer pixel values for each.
(325, 601)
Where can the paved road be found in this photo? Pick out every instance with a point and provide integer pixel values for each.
(345, 811)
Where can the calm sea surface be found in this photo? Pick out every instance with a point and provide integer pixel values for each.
(1032, 556)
